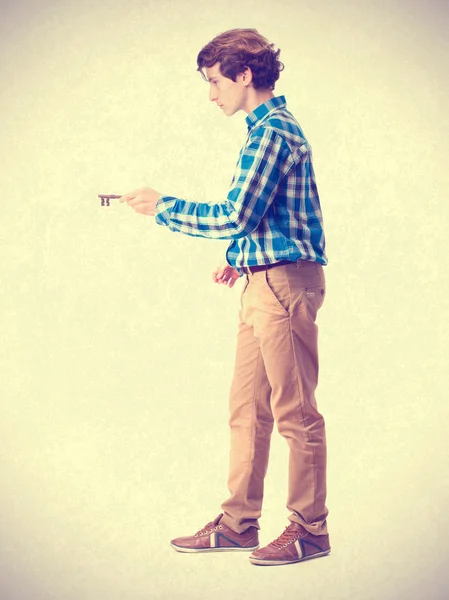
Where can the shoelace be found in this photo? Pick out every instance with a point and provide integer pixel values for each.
(206, 529)
(285, 538)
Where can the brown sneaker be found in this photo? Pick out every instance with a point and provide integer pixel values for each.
(216, 537)
(294, 545)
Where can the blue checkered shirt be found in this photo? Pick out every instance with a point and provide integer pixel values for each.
(272, 211)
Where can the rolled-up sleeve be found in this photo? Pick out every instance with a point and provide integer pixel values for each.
(264, 161)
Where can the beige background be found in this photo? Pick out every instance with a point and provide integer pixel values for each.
(117, 348)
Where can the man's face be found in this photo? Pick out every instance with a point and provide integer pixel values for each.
(230, 95)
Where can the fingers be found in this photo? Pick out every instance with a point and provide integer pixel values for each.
(130, 195)
(127, 197)
(225, 275)
(218, 273)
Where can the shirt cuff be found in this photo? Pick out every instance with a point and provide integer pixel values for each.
(164, 206)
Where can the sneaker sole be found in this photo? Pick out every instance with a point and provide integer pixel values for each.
(222, 549)
(261, 561)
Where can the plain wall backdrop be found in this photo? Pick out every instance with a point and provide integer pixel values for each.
(117, 348)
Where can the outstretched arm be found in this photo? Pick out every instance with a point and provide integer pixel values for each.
(262, 165)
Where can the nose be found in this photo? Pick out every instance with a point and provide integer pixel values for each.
(212, 98)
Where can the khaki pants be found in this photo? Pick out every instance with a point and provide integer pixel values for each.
(275, 376)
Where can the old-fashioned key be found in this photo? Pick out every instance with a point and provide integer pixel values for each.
(106, 197)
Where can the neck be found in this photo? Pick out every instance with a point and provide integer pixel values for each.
(256, 98)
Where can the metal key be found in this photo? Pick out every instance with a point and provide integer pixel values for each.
(106, 197)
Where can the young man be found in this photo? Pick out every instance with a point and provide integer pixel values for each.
(272, 216)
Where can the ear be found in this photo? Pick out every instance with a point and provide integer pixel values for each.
(246, 75)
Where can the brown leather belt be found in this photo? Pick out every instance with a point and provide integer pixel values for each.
(256, 268)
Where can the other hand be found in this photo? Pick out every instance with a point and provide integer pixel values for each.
(227, 275)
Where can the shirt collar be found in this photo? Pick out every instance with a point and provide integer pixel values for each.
(264, 109)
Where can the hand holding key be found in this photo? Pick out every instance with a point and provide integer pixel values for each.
(142, 200)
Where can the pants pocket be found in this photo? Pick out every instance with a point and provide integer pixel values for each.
(245, 285)
(278, 290)
(314, 297)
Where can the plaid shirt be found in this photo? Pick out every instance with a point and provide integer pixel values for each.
(272, 211)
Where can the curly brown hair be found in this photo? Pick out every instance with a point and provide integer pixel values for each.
(239, 48)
